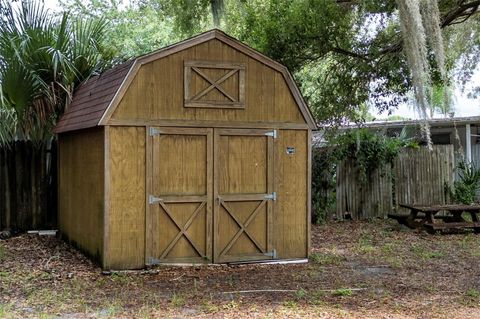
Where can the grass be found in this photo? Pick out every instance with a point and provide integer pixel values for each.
(389, 248)
(342, 292)
(120, 278)
(424, 252)
(291, 304)
(473, 293)
(468, 243)
(2, 252)
(111, 311)
(300, 293)
(471, 298)
(231, 305)
(365, 244)
(317, 297)
(60, 299)
(209, 307)
(5, 310)
(326, 259)
(177, 300)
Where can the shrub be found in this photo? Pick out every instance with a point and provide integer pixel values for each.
(323, 184)
(465, 189)
(371, 150)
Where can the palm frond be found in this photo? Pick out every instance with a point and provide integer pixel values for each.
(42, 58)
(8, 127)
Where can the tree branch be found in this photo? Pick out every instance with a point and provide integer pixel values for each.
(463, 10)
(460, 14)
(350, 53)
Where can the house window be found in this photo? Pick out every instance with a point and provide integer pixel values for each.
(441, 138)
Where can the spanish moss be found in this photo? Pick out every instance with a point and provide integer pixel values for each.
(431, 22)
(415, 48)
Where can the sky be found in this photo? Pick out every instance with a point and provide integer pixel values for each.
(464, 106)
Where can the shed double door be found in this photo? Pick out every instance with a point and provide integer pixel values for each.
(210, 195)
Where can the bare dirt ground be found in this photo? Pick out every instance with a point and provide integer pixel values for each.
(357, 270)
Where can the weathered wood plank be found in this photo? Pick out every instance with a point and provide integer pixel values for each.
(419, 175)
(28, 191)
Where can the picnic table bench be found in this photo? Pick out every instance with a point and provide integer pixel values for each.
(425, 216)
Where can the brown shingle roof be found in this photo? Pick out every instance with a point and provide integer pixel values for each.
(92, 98)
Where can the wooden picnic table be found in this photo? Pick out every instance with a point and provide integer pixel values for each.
(425, 216)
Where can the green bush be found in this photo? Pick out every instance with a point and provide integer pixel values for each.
(465, 189)
(371, 150)
(323, 184)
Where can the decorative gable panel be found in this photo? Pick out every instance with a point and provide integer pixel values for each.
(211, 84)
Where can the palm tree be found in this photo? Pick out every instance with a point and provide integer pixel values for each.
(43, 57)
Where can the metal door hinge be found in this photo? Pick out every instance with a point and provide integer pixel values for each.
(153, 131)
(272, 254)
(152, 199)
(153, 261)
(272, 196)
(272, 133)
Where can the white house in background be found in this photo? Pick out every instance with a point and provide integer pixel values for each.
(442, 132)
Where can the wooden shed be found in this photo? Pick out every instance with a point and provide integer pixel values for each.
(196, 153)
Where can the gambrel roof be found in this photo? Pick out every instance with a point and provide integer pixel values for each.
(96, 99)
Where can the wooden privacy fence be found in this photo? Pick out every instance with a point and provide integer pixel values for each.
(363, 199)
(27, 186)
(421, 175)
(417, 176)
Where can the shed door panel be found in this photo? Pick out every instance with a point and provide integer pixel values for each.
(243, 184)
(180, 195)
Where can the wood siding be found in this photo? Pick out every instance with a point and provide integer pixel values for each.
(125, 234)
(290, 213)
(81, 191)
(157, 91)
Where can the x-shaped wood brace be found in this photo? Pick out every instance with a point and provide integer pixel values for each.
(214, 84)
(182, 230)
(243, 227)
